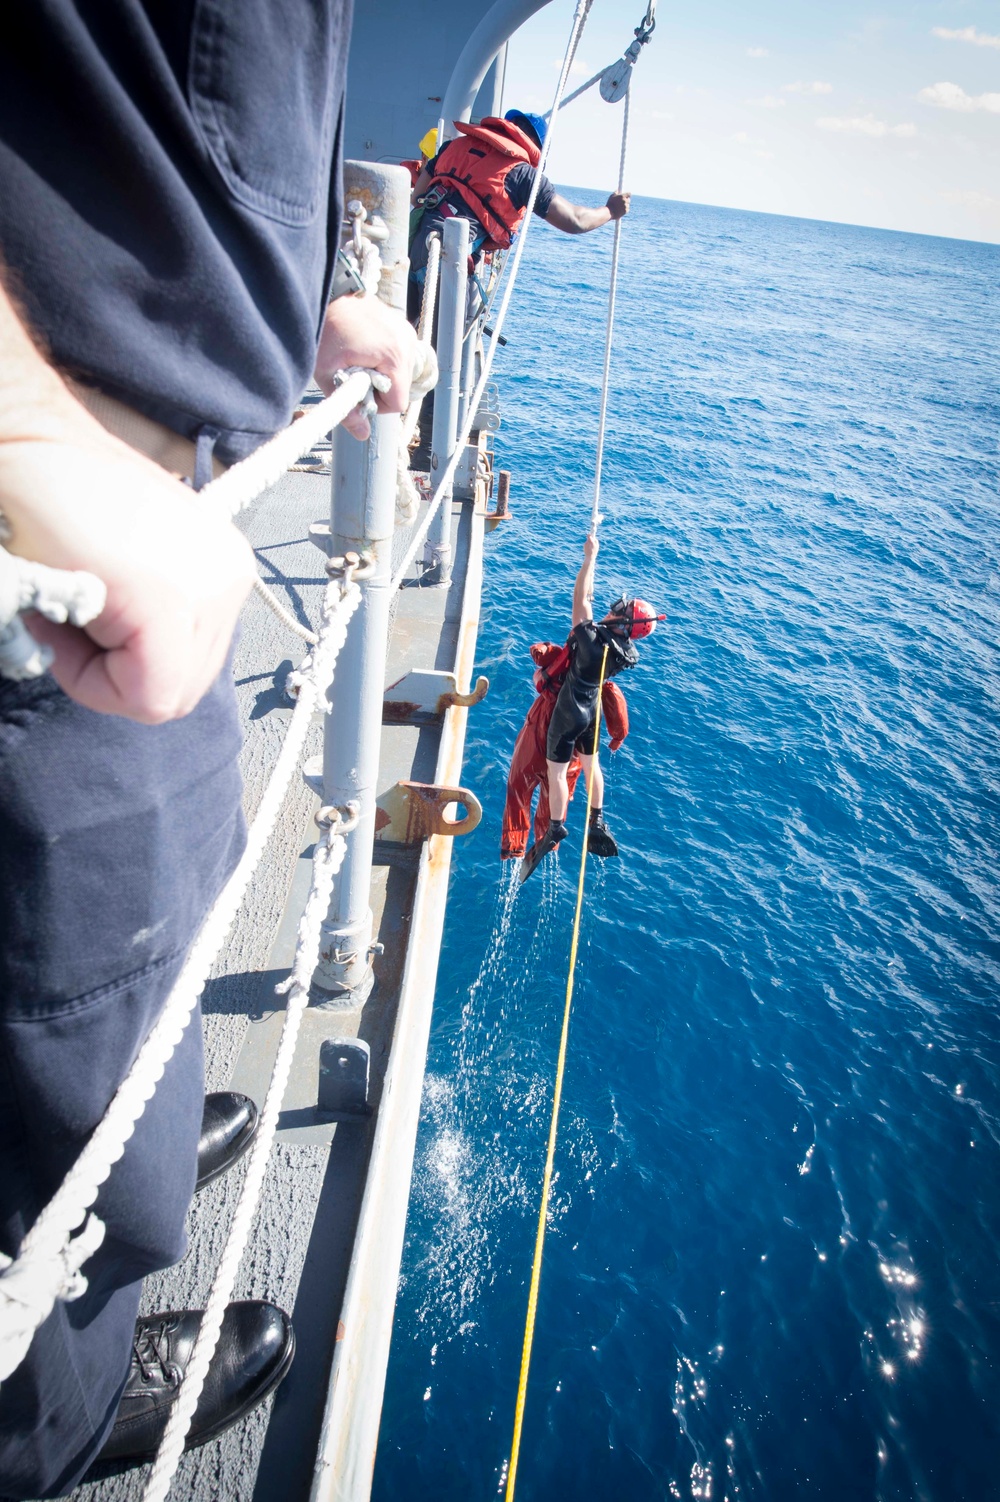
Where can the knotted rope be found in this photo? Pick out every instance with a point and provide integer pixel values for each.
(48, 1264)
(58, 594)
(330, 851)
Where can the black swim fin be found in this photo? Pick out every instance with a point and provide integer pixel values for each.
(550, 839)
(600, 840)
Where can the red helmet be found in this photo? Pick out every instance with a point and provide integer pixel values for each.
(643, 618)
(638, 615)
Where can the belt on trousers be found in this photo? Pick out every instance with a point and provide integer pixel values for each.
(161, 444)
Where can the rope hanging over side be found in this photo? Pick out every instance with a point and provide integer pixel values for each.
(550, 1152)
(609, 332)
(642, 33)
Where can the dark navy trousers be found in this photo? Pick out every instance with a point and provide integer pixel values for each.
(114, 840)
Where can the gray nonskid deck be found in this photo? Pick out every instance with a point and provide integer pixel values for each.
(299, 1252)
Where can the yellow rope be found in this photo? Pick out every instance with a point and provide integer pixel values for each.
(536, 1264)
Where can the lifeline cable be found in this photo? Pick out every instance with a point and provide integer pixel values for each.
(543, 1209)
(536, 1264)
(48, 1263)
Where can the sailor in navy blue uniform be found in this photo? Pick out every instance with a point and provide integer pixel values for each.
(168, 229)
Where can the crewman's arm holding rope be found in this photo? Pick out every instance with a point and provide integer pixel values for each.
(74, 497)
(176, 571)
(577, 219)
(583, 589)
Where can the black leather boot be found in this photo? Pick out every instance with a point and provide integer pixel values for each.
(255, 1350)
(228, 1127)
(600, 840)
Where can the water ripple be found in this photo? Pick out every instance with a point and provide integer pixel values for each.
(772, 1270)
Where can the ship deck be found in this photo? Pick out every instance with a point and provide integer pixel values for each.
(316, 1215)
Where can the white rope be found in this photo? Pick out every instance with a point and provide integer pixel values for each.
(58, 594)
(425, 324)
(609, 330)
(371, 267)
(47, 1266)
(407, 495)
(285, 616)
(444, 484)
(242, 484)
(330, 851)
(329, 856)
(577, 92)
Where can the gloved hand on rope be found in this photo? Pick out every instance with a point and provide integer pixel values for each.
(364, 331)
(74, 497)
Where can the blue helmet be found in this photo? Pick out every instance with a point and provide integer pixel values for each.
(535, 123)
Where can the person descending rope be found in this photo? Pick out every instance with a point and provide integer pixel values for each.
(595, 651)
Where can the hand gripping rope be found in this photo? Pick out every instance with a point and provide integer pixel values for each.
(615, 85)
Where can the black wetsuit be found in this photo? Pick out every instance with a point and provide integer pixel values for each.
(571, 727)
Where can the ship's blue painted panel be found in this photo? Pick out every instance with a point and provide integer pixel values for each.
(402, 56)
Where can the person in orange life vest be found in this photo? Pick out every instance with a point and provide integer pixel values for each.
(595, 652)
(486, 173)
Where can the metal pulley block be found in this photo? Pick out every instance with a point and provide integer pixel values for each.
(615, 80)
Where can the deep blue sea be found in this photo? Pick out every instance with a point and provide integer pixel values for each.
(773, 1264)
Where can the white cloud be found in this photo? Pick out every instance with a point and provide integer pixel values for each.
(966, 34)
(971, 200)
(951, 96)
(758, 52)
(865, 125)
(808, 88)
(743, 139)
(660, 115)
(769, 102)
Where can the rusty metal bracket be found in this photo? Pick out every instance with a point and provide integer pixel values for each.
(411, 812)
(423, 695)
(503, 512)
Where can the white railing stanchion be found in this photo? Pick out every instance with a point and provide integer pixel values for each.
(452, 298)
(362, 520)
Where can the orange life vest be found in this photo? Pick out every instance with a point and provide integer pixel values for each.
(475, 166)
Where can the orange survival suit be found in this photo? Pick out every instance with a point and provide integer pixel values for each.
(527, 766)
(475, 165)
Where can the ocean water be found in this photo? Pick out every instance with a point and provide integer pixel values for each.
(773, 1262)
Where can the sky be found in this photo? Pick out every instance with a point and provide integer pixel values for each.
(885, 116)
